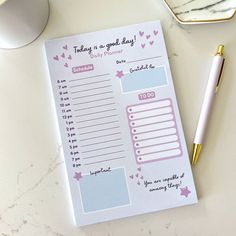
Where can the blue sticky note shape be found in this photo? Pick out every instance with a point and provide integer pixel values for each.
(103, 191)
(144, 79)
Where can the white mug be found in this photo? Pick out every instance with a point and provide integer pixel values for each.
(21, 21)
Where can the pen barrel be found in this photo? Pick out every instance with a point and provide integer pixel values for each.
(208, 99)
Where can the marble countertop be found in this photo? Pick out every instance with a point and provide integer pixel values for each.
(34, 196)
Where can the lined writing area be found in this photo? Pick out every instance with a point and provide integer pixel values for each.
(153, 131)
(97, 119)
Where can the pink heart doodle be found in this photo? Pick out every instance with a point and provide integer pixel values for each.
(143, 45)
(63, 55)
(151, 42)
(66, 65)
(65, 47)
(155, 32)
(139, 169)
(148, 36)
(136, 175)
(131, 176)
(141, 33)
(56, 58)
(69, 57)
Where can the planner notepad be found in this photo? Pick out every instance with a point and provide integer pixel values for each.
(122, 137)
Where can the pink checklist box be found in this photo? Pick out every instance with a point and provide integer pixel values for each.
(153, 130)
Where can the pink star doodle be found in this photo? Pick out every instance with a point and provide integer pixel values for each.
(78, 176)
(185, 191)
(119, 74)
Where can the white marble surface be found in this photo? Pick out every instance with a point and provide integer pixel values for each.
(190, 11)
(33, 186)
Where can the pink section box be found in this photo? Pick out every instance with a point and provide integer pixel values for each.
(154, 131)
(82, 68)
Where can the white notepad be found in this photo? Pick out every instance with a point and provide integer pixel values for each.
(123, 141)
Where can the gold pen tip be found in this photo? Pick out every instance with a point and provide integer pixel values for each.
(220, 50)
(196, 152)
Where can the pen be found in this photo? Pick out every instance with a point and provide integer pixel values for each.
(211, 90)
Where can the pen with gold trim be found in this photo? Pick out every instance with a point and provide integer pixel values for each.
(211, 90)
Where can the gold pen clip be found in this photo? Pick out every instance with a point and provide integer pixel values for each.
(220, 77)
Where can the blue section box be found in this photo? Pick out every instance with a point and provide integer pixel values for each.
(144, 79)
(103, 191)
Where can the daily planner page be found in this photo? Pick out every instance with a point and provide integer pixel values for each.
(122, 137)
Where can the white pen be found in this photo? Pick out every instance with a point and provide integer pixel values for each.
(211, 90)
